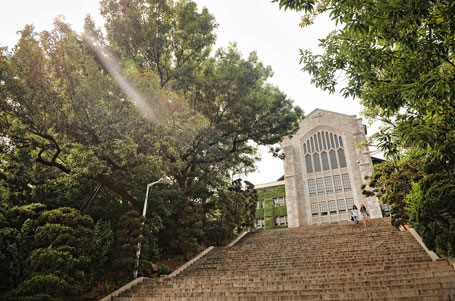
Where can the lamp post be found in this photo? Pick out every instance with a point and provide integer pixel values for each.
(163, 180)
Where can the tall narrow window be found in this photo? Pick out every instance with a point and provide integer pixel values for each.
(346, 182)
(325, 161)
(320, 185)
(328, 141)
(332, 207)
(309, 165)
(323, 208)
(333, 159)
(337, 184)
(311, 187)
(314, 209)
(317, 163)
(341, 158)
(331, 140)
(341, 141)
(319, 140)
(312, 145)
(328, 184)
(349, 203)
(336, 141)
(341, 206)
(316, 142)
(304, 148)
(323, 141)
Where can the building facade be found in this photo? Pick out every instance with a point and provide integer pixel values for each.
(271, 209)
(326, 163)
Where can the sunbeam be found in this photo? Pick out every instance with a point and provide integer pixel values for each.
(146, 105)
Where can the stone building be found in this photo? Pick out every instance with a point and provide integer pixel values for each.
(326, 163)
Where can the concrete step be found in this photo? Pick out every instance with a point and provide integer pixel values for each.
(310, 263)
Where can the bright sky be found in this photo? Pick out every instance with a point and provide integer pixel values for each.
(254, 25)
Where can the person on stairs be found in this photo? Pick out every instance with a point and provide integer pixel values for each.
(355, 216)
(364, 214)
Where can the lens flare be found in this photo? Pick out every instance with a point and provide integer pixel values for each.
(145, 105)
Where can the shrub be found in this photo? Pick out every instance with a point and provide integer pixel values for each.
(432, 212)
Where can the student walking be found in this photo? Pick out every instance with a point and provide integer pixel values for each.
(355, 216)
(364, 214)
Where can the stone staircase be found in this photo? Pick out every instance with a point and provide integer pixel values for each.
(322, 262)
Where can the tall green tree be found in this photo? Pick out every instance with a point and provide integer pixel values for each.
(58, 101)
(170, 37)
(70, 124)
(398, 59)
(230, 211)
(221, 107)
(392, 181)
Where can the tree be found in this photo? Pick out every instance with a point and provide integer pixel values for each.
(17, 226)
(231, 210)
(432, 212)
(59, 264)
(71, 124)
(392, 181)
(220, 109)
(226, 101)
(57, 101)
(131, 229)
(398, 59)
(171, 38)
(104, 239)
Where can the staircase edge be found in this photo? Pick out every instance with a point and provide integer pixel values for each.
(186, 265)
(417, 237)
(239, 238)
(124, 288)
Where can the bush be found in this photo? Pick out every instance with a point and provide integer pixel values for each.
(432, 212)
(104, 239)
(59, 264)
(45, 287)
(163, 270)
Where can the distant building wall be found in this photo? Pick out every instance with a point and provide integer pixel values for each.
(271, 209)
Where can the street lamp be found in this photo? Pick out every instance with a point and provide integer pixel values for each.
(163, 180)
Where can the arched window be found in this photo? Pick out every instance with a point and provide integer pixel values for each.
(309, 165)
(325, 161)
(333, 159)
(341, 141)
(316, 142)
(336, 141)
(317, 163)
(328, 141)
(341, 158)
(323, 141)
(319, 141)
(312, 145)
(331, 140)
(304, 148)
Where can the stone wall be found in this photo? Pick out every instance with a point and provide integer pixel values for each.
(358, 165)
